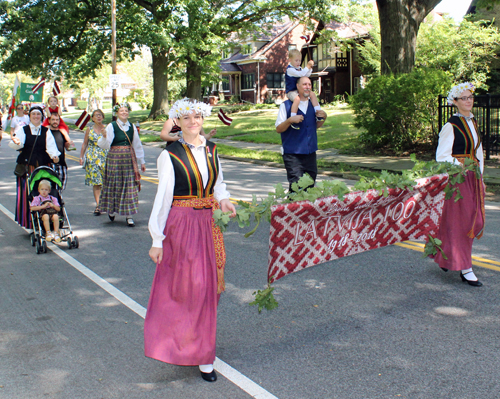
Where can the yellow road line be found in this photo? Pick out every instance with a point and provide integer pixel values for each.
(77, 159)
(476, 260)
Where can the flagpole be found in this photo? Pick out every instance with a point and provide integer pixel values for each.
(113, 48)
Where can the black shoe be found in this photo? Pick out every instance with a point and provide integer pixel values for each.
(97, 212)
(476, 283)
(111, 217)
(210, 377)
(130, 222)
(444, 269)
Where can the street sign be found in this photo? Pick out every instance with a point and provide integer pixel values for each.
(26, 93)
(114, 81)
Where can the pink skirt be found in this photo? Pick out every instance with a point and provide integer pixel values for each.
(459, 219)
(181, 320)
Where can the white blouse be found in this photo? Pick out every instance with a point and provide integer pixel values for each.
(165, 193)
(50, 143)
(105, 143)
(18, 121)
(445, 145)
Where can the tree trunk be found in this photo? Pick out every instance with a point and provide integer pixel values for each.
(160, 85)
(193, 80)
(399, 24)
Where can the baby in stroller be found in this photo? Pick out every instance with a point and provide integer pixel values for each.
(49, 207)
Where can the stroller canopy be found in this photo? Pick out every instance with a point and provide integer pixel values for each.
(44, 172)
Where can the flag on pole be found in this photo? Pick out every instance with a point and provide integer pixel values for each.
(56, 89)
(38, 85)
(224, 118)
(12, 108)
(82, 120)
(306, 38)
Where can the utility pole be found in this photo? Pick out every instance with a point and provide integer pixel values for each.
(113, 49)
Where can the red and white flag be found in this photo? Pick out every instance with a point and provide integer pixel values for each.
(224, 118)
(82, 121)
(41, 83)
(305, 37)
(175, 129)
(56, 89)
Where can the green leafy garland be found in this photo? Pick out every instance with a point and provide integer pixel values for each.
(302, 190)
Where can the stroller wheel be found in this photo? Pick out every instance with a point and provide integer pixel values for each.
(69, 243)
(38, 248)
(75, 242)
(44, 246)
(32, 239)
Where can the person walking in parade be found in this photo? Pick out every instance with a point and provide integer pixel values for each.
(300, 146)
(463, 220)
(62, 145)
(94, 157)
(188, 249)
(37, 147)
(121, 184)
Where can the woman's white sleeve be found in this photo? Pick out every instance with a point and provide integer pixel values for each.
(137, 144)
(105, 142)
(220, 191)
(163, 199)
(445, 145)
(51, 146)
(19, 133)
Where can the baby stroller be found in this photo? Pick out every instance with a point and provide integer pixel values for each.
(38, 236)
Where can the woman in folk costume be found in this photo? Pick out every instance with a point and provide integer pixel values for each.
(462, 220)
(121, 183)
(181, 321)
(37, 147)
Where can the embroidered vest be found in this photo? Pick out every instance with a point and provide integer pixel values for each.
(39, 156)
(188, 180)
(302, 141)
(120, 139)
(463, 144)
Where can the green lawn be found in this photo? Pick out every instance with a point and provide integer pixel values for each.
(258, 127)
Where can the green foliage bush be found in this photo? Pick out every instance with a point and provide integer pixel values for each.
(399, 111)
(81, 104)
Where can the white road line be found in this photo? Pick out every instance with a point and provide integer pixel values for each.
(233, 375)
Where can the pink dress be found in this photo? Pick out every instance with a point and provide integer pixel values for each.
(62, 124)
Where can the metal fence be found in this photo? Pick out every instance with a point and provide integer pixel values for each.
(487, 113)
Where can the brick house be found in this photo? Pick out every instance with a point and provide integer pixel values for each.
(255, 71)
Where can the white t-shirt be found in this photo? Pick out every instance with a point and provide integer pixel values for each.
(19, 121)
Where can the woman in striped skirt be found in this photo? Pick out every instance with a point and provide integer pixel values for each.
(121, 183)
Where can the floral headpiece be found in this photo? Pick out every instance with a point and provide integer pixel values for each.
(121, 105)
(459, 89)
(186, 106)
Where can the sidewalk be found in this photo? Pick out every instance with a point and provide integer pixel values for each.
(395, 164)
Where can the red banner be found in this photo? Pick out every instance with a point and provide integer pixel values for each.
(305, 234)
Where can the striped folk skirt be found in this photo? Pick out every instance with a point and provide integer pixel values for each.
(119, 193)
(23, 213)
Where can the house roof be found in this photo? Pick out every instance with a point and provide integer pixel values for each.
(349, 30)
(229, 67)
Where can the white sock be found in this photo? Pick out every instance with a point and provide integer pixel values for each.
(293, 113)
(469, 274)
(317, 108)
(206, 368)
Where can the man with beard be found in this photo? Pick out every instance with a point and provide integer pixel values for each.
(60, 167)
(300, 145)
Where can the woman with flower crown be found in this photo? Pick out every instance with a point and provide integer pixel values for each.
(463, 220)
(122, 180)
(188, 249)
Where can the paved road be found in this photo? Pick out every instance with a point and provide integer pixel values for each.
(381, 324)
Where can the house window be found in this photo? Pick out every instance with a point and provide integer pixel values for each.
(248, 81)
(275, 80)
(247, 49)
(314, 51)
(327, 48)
(225, 84)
